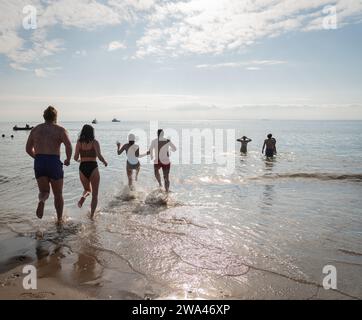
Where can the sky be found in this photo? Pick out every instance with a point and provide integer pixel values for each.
(190, 59)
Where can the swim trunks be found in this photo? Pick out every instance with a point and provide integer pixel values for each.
(160, 165)
(269, 153)
(48, 165)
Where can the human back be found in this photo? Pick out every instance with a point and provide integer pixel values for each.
(86, 145)
(47, 138)
(270, 143)
(87, 151)
(161, 147)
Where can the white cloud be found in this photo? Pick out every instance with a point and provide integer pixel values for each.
(46, 72)
(249, 65)
(82, 53)
(116, 45)
(23, 49)
(253, 68)
(218, 26)
(84, 14)
(173, 28)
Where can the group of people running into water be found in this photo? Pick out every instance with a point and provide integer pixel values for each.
(44, 143)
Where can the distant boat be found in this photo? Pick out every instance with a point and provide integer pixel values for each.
(27, 127)
(95, 121)
(115, 120)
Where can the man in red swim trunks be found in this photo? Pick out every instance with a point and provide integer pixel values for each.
(160, 152)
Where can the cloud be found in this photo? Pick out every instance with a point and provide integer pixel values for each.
(116, 45)
(253, 68)
(249, 65)
(31, 47)
(170, 28)
(83, 14)
(82, 53)
(46, 72)
(214, 27)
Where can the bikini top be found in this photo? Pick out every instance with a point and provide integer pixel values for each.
(88, 153)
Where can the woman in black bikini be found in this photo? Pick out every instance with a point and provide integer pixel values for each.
(89, 150)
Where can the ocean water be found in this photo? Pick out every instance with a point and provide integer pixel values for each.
(266, 229)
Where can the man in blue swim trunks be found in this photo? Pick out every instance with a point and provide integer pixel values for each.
(44, 146)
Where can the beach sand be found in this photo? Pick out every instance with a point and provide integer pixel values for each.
(63, 274)
(11, 288)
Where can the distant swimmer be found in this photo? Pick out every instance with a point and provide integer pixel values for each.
(160, 153)
(3, 135)
(43, 145)
(12, 136)
(269, 146)
(133, 153)
(244, 144)
(88, 149)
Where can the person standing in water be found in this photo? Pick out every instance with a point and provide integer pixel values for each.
(43, 146)
(269, 146)
(133, 153)
(88, 149)
(244, 144)
(160, 152)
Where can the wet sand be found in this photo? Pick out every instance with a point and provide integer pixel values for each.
(66, 274)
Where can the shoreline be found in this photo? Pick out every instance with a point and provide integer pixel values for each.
(63, 274)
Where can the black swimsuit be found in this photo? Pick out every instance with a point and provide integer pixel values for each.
(87, 167)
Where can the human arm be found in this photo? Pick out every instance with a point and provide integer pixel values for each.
(120, 149)
(97, 147)
(172, 146)
(263, 146)
(68, 147)
(141, 155)
(76, 152)
(30, 145)
(151, 150)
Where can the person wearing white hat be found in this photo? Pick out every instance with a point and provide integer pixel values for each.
(133, 153)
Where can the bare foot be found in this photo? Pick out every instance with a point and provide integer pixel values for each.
(80, 202)
(40, 210)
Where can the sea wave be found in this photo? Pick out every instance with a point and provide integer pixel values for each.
(4, 179)
(356, 177)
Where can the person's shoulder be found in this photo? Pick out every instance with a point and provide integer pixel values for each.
(60, 128)
(37, 127)
(96, 142)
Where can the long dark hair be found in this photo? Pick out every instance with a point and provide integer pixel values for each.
(87, 134)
